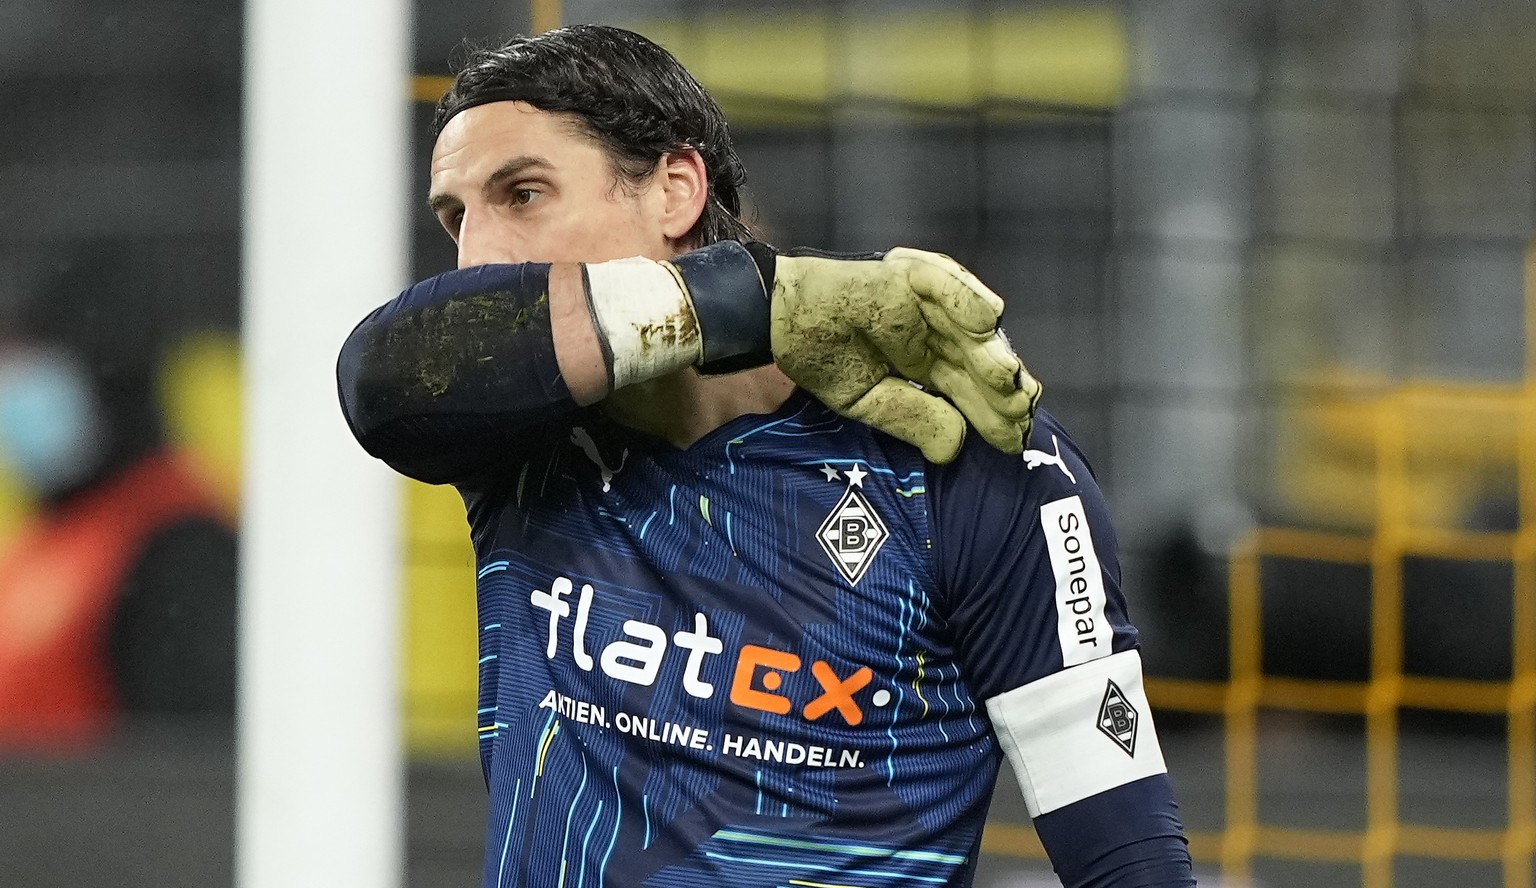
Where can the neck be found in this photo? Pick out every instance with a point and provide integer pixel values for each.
(683, 407)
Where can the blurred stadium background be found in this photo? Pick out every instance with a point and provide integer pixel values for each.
(1272, 260)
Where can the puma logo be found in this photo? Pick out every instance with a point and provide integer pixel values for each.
(1034, 459)
(581, 439)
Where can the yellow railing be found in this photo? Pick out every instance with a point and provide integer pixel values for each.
(1397, 419)
(1379, 700)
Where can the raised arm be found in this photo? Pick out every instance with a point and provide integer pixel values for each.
(439, 382)
(445, 379)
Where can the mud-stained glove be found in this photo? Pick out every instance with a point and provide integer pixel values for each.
(837, 326)
(840, 326)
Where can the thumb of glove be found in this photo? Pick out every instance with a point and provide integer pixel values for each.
(927, 422)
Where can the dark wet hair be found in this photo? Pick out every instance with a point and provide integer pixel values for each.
(629, 94)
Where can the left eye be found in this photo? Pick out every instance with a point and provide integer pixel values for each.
(523, 196)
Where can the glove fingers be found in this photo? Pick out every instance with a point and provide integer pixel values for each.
(1003, 380)
(990, 359)
(926, 421)
(945, 283)
(1006, 382)
(1006, 429)
(994, 364)
(1017, 407)
(841, 377)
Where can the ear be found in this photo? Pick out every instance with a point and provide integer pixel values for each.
(685, 188)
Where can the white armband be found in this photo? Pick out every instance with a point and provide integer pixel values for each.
(643, 318)
(1078, 732)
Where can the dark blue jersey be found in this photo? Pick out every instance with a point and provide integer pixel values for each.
(793, 653)
(764, 656)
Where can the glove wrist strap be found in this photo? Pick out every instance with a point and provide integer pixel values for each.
(730, 295)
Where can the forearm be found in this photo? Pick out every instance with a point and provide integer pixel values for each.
(442, 382)
(446, 379)
(439, 380)
(577, 349)
(1088, 760)
(1126, 837)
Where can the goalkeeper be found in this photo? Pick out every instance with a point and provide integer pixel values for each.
(754, 609)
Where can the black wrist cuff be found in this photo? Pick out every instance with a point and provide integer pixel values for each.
(730, 296)
(767, 259)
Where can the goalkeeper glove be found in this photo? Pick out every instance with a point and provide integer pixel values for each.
(836, 326)
(839, 326)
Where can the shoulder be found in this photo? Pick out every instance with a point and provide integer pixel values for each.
(1051, 468)
(1009, 521)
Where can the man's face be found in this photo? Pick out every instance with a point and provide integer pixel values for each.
(511, 183)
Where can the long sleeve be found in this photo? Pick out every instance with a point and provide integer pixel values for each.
(457, 374)
(1126, 837)
(1028, 555)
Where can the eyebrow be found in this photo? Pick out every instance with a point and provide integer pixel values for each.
(509, 170)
